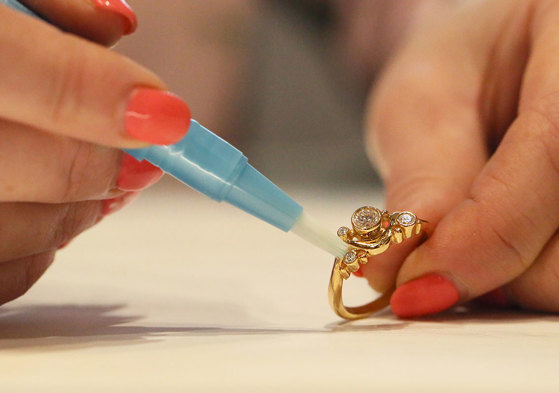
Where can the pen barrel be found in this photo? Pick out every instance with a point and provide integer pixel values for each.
(209, 164)
(201, 160)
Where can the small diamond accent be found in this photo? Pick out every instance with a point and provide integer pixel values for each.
(343, 231)
(365, 218)
(406, 219)
(350, 257)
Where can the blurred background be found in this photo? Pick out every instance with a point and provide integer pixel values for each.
(284, 80)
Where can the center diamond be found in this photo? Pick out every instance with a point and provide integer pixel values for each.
(365, 218)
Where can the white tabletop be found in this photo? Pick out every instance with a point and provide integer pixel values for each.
(179, 293)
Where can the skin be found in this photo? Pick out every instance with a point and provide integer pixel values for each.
(473, 147)
(57, 165)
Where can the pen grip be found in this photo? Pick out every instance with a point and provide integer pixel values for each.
(201, 159)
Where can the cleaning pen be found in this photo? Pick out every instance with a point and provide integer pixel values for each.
(209, 164)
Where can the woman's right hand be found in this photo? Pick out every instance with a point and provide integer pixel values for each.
(66, 105)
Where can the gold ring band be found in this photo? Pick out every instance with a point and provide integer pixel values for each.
(372, 233)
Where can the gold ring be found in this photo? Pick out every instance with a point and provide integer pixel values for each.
(372, 232)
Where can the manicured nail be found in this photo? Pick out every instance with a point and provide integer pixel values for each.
(429, 294)
(136, 175)
(121, 8)
(157, 117)
(495, 298)
(113, 205)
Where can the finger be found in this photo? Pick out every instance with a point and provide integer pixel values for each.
(536, 289)
(428, 142)
(71, 87)
(39, 167)
(495, 235)
(101, 21)
(31, 228)
(17, 276)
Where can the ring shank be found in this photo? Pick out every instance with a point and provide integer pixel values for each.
(336, 300)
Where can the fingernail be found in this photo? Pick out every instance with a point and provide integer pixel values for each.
(121, 8)
(157, 116)
(136, 175)
(113, 205)
(495, 298)
(429, 294)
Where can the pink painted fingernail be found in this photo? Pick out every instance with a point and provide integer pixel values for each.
(429, 294)
(113, 205)
(121, 8)
(136, 175)
(157, 116)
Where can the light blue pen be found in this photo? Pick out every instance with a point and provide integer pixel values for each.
(207, 163)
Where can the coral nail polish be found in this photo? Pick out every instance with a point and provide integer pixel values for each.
(429, 294)
(136, 175)
(121, 8)
(157, 116)
(113, 205)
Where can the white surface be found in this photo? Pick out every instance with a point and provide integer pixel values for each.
(178, 293)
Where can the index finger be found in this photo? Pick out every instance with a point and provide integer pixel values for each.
(68, 86)
(426, 135)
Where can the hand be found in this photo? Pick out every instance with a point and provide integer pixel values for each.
(464, 126)
(66, 104)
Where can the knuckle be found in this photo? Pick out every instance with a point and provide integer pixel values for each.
(388, 99)
(67, 101)
(88, 171)
(512, 250)
(77, 171)
(503, 238)
(492, 183)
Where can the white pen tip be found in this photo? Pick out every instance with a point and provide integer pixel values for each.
(310, 230)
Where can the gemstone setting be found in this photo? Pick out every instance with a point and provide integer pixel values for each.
(350, 257)
(366, 218)
(343, 231)
(406, 219)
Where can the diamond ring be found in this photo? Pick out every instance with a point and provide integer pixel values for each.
(372, 232)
